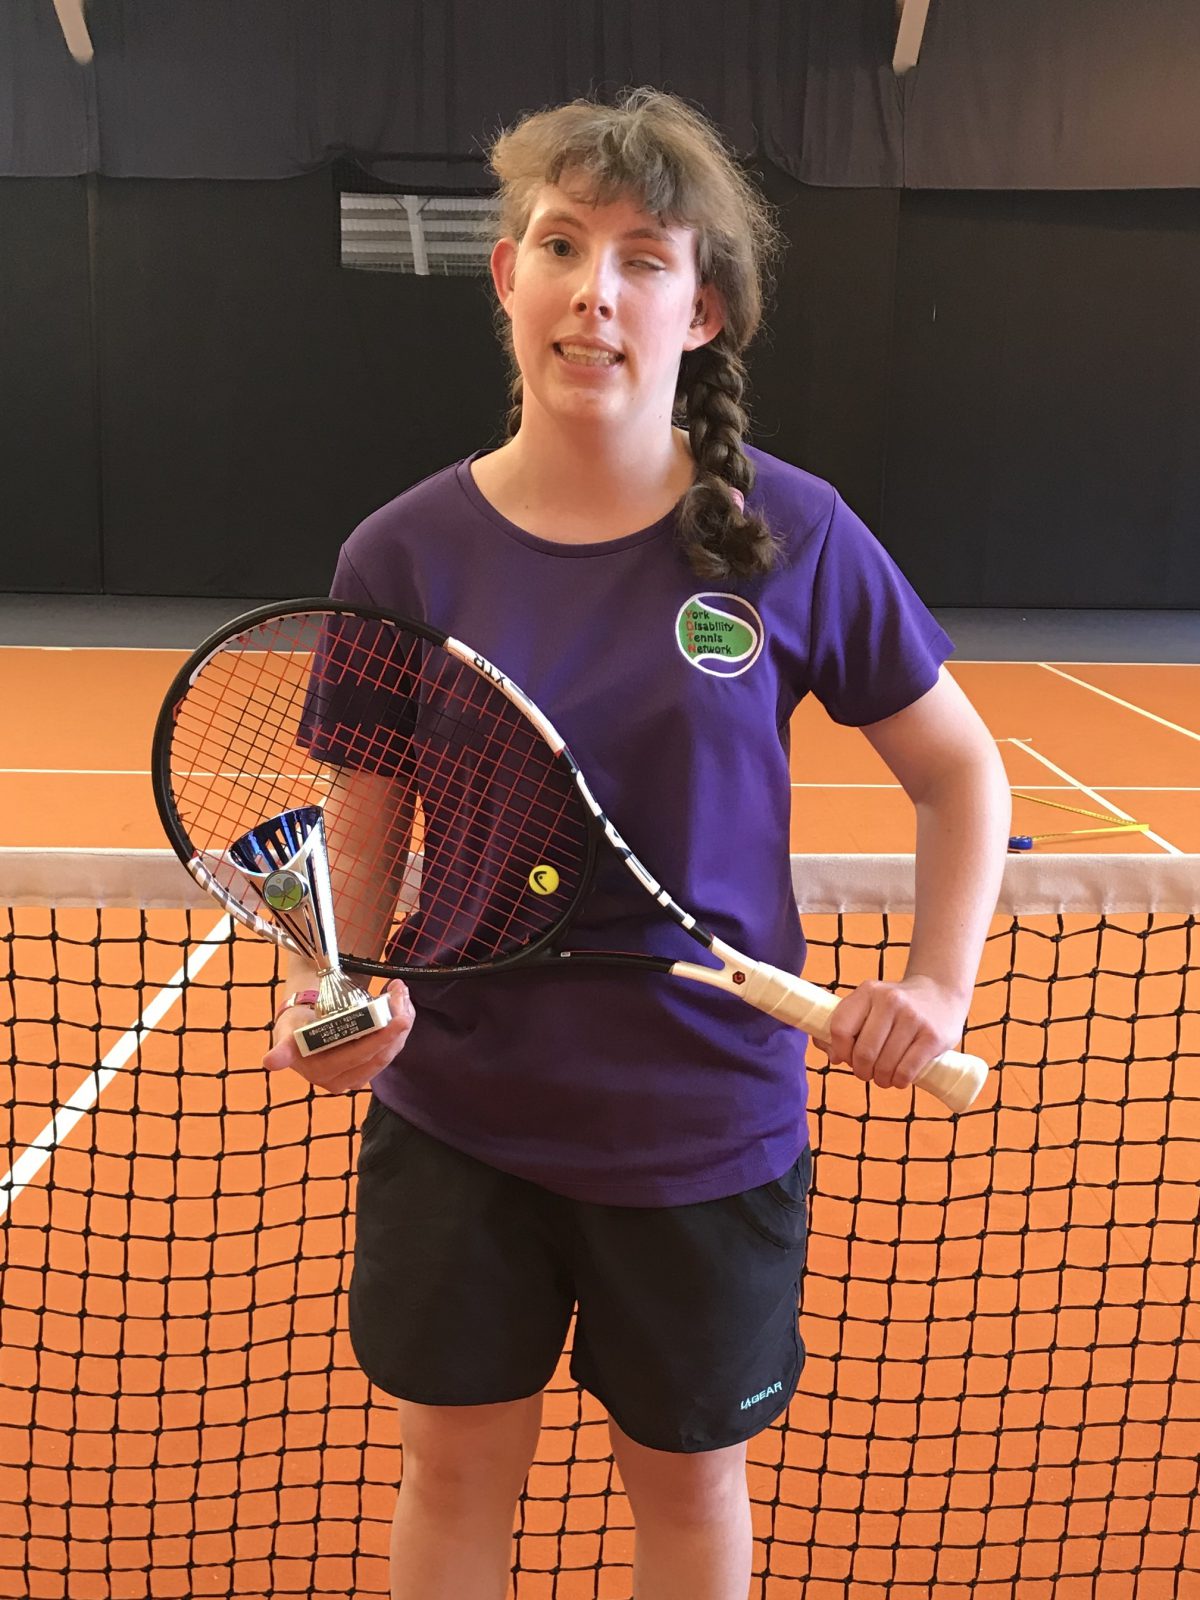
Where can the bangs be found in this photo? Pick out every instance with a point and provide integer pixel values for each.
(600, 177)
(601, 154)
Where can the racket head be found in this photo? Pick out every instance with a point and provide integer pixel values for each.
(458, 836)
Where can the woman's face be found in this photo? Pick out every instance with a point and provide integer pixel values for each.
(603, 300)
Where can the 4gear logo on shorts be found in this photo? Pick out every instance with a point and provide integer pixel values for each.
(720, 634)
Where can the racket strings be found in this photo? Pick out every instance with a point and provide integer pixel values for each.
(499, 835)
(357, 752)
(501, 817)
(241, 693)
(453, 844)
(508, 895)
(476, 839)
(497, 808)
(252, 777)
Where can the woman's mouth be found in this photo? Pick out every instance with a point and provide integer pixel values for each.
(586, 355)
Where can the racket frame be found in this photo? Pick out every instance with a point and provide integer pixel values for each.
(953, 1077)
(195, 860)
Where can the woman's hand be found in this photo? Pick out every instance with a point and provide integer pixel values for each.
(887, 1033)
(352, 1064)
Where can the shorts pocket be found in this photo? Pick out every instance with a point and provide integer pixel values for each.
(383, 1132)
(778, 1211)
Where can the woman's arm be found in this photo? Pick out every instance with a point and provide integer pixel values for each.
(948, 765)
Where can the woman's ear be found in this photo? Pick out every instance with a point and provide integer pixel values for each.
(503, 263)
(708, 318)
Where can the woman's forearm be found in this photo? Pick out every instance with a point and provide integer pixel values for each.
(962, 842)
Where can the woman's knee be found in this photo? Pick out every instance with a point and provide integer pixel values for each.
(695, 1490)
(464, 1452)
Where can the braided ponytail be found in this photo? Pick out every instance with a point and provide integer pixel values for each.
(718, 536)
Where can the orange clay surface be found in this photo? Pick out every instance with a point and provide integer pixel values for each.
(75, 731)
(996, 1306)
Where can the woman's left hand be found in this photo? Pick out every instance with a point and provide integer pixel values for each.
(888, 1032)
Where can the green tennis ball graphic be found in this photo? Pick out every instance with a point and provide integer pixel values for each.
(283, 891)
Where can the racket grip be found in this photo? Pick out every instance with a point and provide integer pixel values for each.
(953, 1078)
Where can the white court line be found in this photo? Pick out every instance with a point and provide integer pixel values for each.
(1098, 798)
(1117, 701)
(1042, 788)
(129, 772)
(322, 777)
(1031, 661)
(1126, 788)
(71, 772)
(954, 661)
(31, 1161)
(129, 649)
(186, 650)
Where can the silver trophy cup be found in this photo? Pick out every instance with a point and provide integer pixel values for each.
(286, 864)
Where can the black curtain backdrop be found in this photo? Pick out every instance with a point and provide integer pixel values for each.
(257, 399)
(196, 398)
(1024, 94)
(1006, 386)
(1045, 399)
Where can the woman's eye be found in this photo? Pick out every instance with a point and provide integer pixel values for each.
(561, 248)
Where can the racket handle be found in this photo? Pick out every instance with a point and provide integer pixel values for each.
(953, 1078)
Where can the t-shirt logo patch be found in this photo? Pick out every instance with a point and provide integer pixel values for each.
(720, 634)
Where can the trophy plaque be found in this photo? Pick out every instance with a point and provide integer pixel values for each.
(285, 861)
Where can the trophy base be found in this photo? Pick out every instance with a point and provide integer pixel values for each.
(341, 1025)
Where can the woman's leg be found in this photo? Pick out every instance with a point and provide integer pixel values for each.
(464, 1467)
(692, 1515)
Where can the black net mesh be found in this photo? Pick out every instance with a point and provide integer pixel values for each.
(1002, 1389)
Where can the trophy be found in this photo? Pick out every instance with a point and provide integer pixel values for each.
(286, 862)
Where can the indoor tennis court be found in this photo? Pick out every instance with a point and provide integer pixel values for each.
(1000, 1391)
(251, 273)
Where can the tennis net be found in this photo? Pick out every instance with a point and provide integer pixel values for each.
(1002, 1393)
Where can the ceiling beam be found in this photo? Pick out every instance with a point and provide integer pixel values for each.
(910, 30)
(75, 30)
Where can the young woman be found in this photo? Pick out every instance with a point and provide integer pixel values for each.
(634, 1150)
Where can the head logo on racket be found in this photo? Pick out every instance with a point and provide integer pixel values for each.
(720, 634)
(543, 880)
(283, 891)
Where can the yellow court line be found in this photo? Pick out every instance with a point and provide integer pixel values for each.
(1109, 806)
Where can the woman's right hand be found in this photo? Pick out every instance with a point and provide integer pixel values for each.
(352, 1064)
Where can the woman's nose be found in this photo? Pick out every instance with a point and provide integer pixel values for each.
(595, 292)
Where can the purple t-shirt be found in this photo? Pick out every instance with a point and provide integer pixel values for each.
(674, 695)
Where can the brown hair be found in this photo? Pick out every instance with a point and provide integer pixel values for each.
(652, 147)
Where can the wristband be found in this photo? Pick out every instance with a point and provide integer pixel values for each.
(302, 997)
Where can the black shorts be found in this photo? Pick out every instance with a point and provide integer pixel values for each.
(465, 1279)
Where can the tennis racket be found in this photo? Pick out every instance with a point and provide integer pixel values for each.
(462, 835)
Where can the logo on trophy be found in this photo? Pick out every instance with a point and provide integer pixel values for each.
(285, 862)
